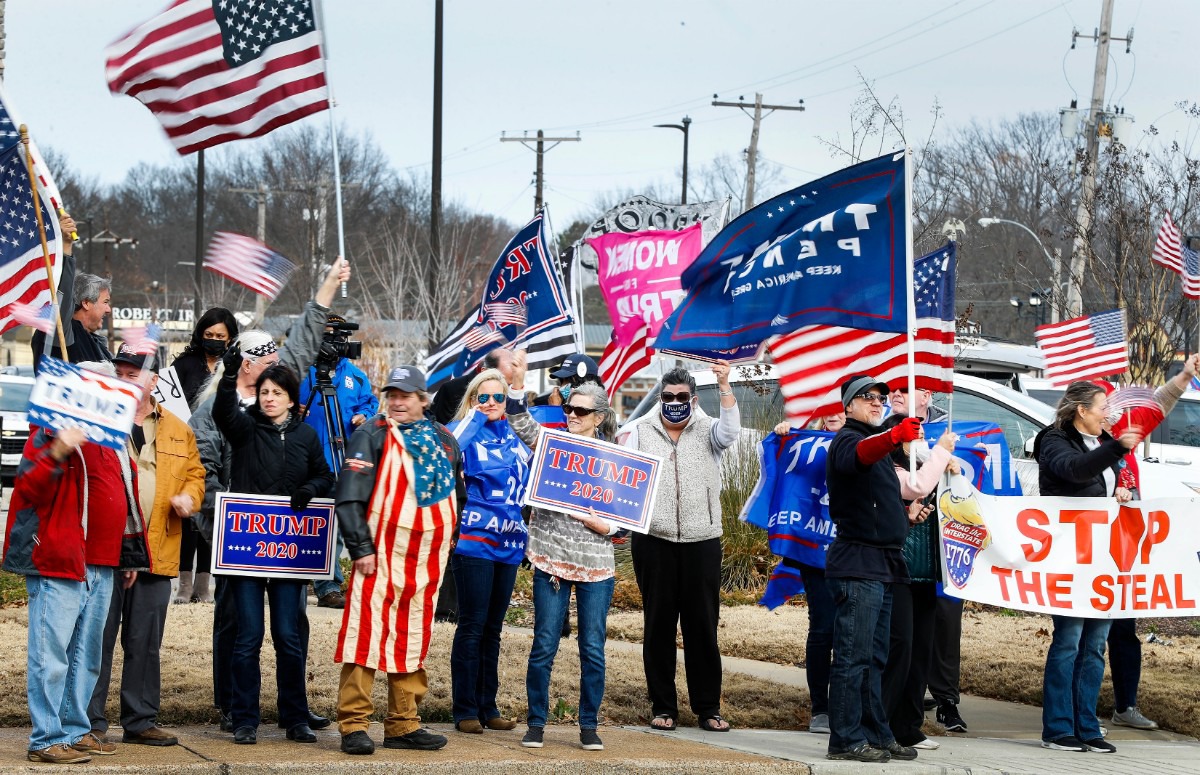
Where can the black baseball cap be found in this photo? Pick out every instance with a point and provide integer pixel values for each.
(126, 354)
(410, 379)
(859, 384)
(576, 365)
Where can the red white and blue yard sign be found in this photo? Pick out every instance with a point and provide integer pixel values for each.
(260, 535)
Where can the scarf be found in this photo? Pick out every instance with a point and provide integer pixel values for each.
(433, 471)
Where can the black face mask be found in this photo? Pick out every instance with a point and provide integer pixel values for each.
(214, 348)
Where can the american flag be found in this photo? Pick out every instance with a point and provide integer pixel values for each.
(212, 71)
(144, 340)
(41, 318)
(1089, 347)
(480, 336)
(248, 262)
(618, 363)
(506, 314)
(1169, 251)
(22, 266)
(813, 361)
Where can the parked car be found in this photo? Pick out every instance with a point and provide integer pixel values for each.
(14, 421)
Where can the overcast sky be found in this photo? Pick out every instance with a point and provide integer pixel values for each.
(610, 69)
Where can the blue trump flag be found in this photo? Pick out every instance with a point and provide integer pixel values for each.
(983, 453)
(523, 305)
(831, 252)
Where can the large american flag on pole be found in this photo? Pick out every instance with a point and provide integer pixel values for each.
(812, 361)
(248, 262)
(212, 71)
(619, 363)
(1088, 347)
(22, 265)
(1169, 251)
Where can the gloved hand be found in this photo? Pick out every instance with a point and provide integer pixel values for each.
(232, 359)
(301, 498)
(908, 429)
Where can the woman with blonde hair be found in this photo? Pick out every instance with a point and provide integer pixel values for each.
(491, 545)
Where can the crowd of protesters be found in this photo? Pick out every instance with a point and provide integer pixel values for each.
(100, 532)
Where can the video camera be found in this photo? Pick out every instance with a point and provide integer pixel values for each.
(336, 345)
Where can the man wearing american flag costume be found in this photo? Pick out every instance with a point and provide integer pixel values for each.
(397, 511)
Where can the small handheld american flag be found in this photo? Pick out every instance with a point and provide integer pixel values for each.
(248, 262)
(41, 318)
(144, 340)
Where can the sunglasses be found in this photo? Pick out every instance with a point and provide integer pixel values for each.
(578, 411)
(676, 398)
(873, 398)
(483, 398)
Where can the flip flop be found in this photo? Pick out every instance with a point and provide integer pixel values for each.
(711, 724)
(669, 726)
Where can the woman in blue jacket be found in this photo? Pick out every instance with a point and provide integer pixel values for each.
(491, 545)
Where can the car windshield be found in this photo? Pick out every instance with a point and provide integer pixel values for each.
(14, 396)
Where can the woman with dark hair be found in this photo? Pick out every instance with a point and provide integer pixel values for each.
(1078, 458)
(569, 550)
(274, 453)
(211, 335)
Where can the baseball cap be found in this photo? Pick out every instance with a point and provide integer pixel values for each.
(126, 354)
(576, 365)
(859, 383)
(410, 379)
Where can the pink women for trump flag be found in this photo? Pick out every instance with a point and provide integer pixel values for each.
(212, 71)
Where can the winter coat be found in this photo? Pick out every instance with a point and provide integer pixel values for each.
(495, 465)
(268, 459)
(1067, 467)
(688, 505)
(177, 471)
(192, 368)
(354, 394)
(864, 501)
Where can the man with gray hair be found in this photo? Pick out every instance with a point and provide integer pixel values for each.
(92, 296)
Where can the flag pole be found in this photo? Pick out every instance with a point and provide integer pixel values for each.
(37, 210)
(911, 326)
(318, 10)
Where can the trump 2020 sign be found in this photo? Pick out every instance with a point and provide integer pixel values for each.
(574, 474)
(260, 535)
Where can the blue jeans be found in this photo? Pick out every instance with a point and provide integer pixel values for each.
(1074, 672)
(484, 589)
(287, 610)
(324, 586)
(66, 636)
(551, 601)
(818, 649)
(861, 633)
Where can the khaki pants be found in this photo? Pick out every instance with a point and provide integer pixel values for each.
(405, 692)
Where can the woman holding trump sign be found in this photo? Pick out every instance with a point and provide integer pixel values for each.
(491, 545)
(1077, 457)
(274, 453)
(568, 550)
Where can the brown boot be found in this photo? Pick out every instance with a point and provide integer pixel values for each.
(200, 592)
(184, 595)
(59, 754)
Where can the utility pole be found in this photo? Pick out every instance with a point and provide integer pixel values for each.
(435, 188)
(260, 194)
(198, 260)
(540, 149)
(752, 151)
(1083, 214)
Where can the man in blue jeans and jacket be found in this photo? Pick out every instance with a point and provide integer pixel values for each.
(861, 565)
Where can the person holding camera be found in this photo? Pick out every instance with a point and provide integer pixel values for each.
(353, 401)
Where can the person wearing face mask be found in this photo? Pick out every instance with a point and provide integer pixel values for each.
(575, 370)
(213, 332)
(678, 562)
(491, 545)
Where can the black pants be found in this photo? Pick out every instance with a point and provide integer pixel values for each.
(140, 614)
(1125, 659)
(913, 611)
(192, 545)
(947, 642)
(680, 585)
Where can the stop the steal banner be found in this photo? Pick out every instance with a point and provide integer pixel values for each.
(1086, 557)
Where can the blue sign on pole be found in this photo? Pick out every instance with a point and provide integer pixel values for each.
(260, 535)
(574, 473)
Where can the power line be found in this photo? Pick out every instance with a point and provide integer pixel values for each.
(540, 149)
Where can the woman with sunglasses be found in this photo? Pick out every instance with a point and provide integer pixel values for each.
(569, 550)
(491, 545)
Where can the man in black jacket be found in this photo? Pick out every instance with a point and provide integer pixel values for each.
(862, 563)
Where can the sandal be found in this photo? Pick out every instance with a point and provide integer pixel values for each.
(668, 724)
(713, 724)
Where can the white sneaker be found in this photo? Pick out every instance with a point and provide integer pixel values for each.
(1132, 717)
(927, 745)
(819, 724)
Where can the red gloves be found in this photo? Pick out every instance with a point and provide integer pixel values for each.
(872, 449)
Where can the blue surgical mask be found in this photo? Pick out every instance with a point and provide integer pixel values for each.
(676, 413)
(565, 392)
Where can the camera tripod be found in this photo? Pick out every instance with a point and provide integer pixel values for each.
(335, 429)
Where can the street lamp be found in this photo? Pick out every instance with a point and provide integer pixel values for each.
(682, 128)
(1037, 306)
(1055, 260)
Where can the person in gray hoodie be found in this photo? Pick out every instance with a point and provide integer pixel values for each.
(678, 563)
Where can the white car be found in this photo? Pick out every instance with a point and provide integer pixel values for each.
(14, 422)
